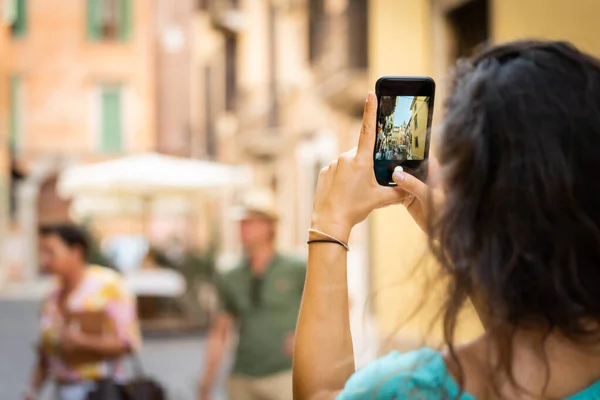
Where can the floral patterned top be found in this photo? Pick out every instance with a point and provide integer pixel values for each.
(100, 289)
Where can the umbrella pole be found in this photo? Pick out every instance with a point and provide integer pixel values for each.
(193, 236)
(146, 217)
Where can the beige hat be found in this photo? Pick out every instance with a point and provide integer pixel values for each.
(257, 203)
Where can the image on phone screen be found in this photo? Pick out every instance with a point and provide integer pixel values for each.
(402, 128)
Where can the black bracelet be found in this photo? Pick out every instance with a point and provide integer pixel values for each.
(328, 241)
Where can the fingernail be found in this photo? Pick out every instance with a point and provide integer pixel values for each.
(370, 97)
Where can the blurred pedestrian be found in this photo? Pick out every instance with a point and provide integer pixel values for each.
(260, 299)
(82, 291)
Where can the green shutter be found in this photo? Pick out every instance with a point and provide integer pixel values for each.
(93, 19)
(14, 123)
(19, 27)
(125, 19)
(112, 124)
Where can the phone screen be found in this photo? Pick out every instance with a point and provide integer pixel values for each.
(404, 117)
(402, 128)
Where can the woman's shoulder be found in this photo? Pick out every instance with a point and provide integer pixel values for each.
(104, 282)
(420, 374)
(102, 272)
(104, 275)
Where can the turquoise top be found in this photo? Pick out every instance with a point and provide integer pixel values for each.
(420, 374)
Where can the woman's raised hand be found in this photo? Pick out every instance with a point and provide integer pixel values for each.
(347, 190)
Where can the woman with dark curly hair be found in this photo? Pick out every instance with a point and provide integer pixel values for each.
(513, 217)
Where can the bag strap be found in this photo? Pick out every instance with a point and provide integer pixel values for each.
(136, 363)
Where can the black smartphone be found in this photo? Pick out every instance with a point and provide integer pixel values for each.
(404, 115)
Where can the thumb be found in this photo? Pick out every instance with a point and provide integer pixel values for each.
(410, 184)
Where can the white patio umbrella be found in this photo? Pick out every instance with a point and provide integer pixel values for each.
(149, 175)
(144, 184)
(128, 205)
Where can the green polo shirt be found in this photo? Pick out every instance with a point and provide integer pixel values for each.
(266, 312)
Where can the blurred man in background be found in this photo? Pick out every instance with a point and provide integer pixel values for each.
(259, 299)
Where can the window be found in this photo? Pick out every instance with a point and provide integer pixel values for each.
(416, 142)
(317, 29)
(209, 127)
(416, 118)
(469, 26)
(111, 119)
(230, 71)
(109, 19)
(19, 17)
(358, 28)
(15, 112)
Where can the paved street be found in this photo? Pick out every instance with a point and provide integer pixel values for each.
(173, 360)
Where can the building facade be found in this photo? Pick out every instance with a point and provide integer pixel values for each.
(418, 125)
(81, 88)
(436, 33)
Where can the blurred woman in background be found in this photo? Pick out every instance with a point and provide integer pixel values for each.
(513, 216)
(93, 297)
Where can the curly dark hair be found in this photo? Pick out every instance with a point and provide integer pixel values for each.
(519, 224)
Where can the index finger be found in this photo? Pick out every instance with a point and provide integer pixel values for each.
(366, 140)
